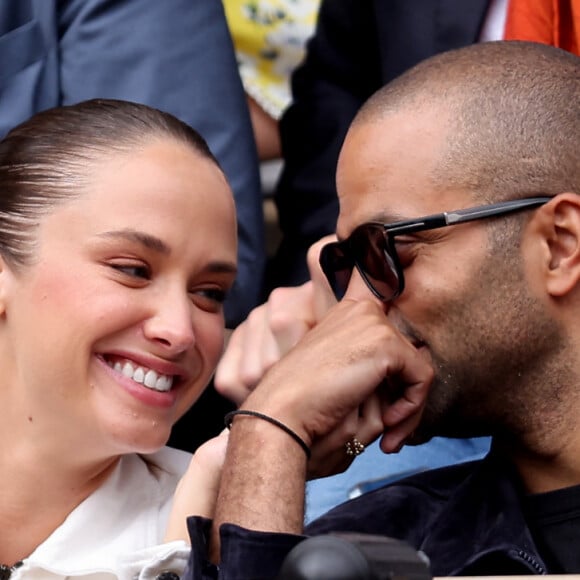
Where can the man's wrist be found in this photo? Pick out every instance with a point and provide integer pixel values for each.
(273, 421)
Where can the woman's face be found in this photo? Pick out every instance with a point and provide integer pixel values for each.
(115, 329)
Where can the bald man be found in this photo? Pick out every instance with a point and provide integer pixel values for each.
(457, 272)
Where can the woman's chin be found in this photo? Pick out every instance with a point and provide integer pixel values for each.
(142, 441)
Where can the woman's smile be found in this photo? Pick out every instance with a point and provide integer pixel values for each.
(142, 375)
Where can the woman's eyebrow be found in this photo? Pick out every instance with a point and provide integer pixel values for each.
(158, 245)
(147, 240)
(221, 268)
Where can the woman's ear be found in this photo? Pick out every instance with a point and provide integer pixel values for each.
(559, 223)
(6, 277)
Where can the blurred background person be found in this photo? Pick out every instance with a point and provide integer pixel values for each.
(269, 39)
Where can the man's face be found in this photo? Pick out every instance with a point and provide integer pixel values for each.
(466, 302)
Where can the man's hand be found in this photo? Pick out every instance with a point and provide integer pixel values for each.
(328, 452)
(351, 356)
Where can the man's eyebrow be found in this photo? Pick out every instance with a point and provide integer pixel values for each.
(389, 218)
(382, 218)
(152, 242)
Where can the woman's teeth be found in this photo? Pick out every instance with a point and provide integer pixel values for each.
(144, 376)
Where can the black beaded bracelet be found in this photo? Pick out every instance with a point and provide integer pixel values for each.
(230, 417)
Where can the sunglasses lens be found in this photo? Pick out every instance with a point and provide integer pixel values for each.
(368, 248)
(337, 268)
(376, 260)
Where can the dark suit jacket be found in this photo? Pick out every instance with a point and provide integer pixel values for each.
(358, 46)
(175, 55)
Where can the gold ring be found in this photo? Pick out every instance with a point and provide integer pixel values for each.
(354, 447)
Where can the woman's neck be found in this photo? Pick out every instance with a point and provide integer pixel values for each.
(39, 491)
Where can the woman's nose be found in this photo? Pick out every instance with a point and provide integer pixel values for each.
(172, 325)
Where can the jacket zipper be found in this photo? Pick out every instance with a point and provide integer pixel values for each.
(530, 560)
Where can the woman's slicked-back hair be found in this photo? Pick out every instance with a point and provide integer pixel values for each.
(50, 158)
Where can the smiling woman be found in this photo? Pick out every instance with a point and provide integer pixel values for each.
(117, 248)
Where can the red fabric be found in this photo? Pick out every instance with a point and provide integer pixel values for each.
(555, 22)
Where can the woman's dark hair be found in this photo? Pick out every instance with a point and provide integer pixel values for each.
(50, 158)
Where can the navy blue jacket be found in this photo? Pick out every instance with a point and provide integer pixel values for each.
(175, 55)
(466, 518)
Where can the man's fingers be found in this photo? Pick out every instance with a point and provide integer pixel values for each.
(260, 350)
(370, 424)
(329, 452)
(410, 403)
(323, 298)
(393, 439)
(290, 315)
(227, 377)
(268, 333)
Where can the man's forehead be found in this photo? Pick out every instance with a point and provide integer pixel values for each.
(394, 141)
(385, 170)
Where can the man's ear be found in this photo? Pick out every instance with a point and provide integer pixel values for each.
(559, 224)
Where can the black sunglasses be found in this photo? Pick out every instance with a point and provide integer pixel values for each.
(371, 247)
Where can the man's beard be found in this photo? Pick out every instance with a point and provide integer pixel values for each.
(501, 348)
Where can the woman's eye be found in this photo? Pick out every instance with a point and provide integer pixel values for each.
(215, 294)
(209, 299)
(133, 270)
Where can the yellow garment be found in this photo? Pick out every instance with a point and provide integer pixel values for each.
(269, 37)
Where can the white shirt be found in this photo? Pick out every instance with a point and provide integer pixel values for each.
(116, 532)
(494, 24)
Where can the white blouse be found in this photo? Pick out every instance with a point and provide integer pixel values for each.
(116, 532)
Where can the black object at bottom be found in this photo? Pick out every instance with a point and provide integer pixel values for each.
(350, 556)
